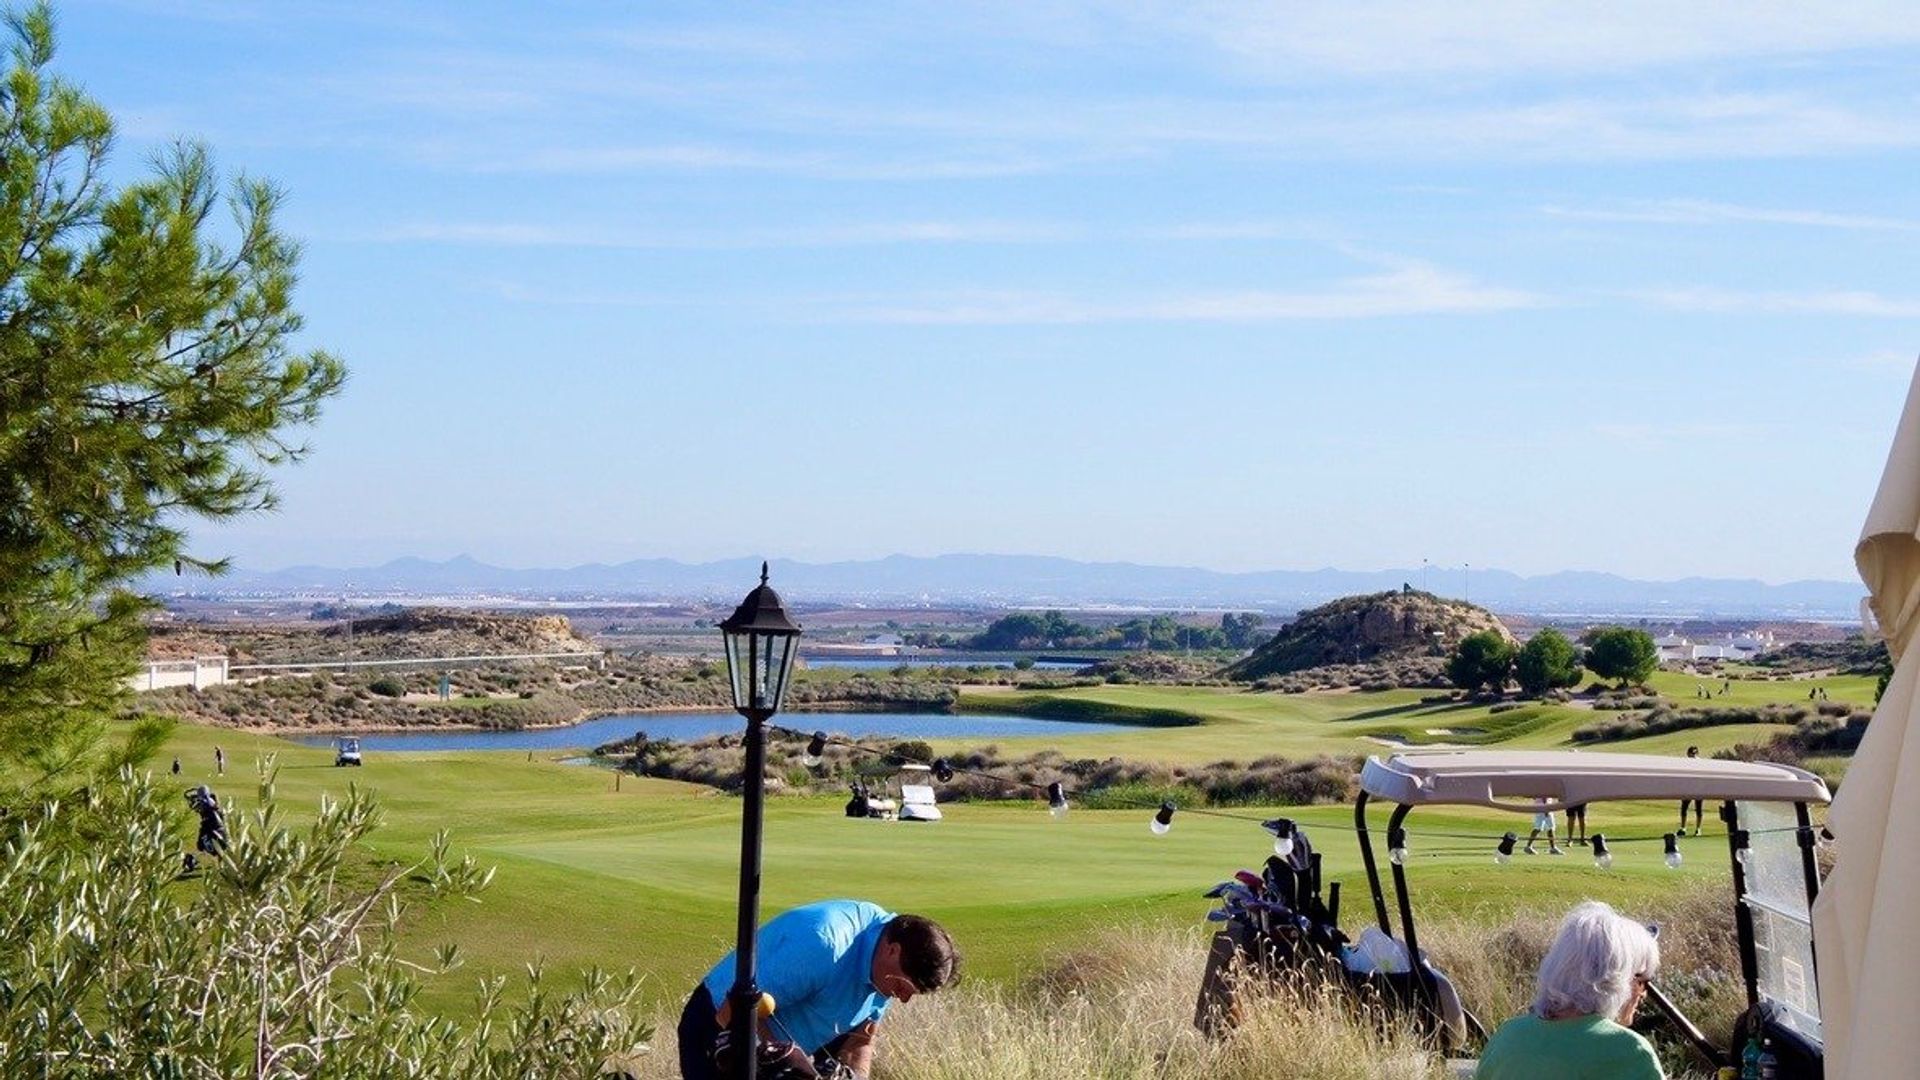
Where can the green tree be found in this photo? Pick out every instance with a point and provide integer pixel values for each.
(1620, 652)
(1242, 629)
(1481, 659)
(147, 377)
(1546, 662)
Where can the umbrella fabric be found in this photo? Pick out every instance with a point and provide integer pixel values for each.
(1866, 921)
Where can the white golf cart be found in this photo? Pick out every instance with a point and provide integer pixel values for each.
(346, 751)
(1280, 922)
(876, 798)
(1770, 839)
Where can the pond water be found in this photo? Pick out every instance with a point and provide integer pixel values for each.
(886, 663)
(695, 725)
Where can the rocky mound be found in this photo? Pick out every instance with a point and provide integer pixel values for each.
(1368, 629)
(450, 632)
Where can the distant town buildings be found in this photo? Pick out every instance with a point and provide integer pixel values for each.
(1677, 649)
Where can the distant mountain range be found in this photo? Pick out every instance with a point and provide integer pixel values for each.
(1021, 580)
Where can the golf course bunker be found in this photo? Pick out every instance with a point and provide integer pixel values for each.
(698, 725)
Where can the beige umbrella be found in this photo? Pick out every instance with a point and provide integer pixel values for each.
(1866, 924)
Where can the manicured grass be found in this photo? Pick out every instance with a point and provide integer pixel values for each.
(645, 877)
(1852, 689)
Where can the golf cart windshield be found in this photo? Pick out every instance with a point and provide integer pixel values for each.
(1775, 898)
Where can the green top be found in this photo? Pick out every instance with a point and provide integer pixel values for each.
(1583, 1048)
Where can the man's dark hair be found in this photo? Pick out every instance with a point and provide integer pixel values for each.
(927, 955)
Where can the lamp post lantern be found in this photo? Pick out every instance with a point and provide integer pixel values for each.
(761, 643)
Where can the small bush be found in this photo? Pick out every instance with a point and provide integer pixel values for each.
(388, 686)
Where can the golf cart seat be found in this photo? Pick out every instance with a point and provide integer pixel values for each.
(917, 803)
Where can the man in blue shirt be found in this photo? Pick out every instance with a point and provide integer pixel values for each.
(832, 968)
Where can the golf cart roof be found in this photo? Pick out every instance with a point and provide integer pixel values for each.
(1511, 779)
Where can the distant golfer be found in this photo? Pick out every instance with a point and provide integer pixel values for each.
(1699, 808)
(219, 761)
(832, 969)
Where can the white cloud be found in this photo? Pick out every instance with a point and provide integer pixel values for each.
(1677, 432)
(1880, 361)
(1408, 289)
(1393, 37)
(855, 234)
(1818, 302)
(1705, 212)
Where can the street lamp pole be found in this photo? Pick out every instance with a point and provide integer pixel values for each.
(760, 642)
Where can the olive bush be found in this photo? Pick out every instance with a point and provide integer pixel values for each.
(262, 963)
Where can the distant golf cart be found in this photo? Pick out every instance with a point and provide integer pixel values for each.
(900, 793)
(346, 752)
(1278, 922)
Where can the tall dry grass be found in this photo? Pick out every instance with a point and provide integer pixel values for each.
(1121, 1008)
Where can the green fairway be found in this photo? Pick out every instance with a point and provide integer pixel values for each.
(1232, 724)
(645, 877)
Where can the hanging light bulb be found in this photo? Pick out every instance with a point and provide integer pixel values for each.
(1162, 822)
(942, 771)
(816, 748)
(1056, 800)
(1397, 847)
(1673, 851)
(1602, 858)
(1282, 830)
(1504, 853)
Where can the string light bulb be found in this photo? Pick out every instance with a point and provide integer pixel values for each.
(1602, 858)
(1056, 800)
(816, 749)
(1162, 822)
(1504, 853)
(1282, 830)
(1673, 851)
(942, 771)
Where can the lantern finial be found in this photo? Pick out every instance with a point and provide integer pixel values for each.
(763, 572)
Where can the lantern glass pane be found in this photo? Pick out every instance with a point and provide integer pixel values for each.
(737, 669)
(788, 650)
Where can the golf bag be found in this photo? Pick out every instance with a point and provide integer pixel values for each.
(1280, 924)
(858, 806)
(213, 827)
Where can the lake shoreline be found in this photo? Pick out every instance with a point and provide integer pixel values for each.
(586, 716)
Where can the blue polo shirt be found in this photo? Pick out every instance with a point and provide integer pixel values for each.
(817, 962)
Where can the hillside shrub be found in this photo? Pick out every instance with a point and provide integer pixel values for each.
(388, 686)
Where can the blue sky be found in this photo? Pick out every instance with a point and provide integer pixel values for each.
(1600, 286)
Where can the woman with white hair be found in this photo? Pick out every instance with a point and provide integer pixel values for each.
(1591, 984)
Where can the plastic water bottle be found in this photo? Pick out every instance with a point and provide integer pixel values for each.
(1750, 1060)
(1768, 1063)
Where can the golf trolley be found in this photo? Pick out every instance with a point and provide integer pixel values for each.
(1277, 922)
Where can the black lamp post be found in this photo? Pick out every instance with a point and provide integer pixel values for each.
(761, 644)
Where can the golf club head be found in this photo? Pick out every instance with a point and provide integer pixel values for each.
(1248, 878)
(1219, 915)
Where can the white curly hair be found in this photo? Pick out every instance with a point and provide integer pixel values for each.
(1594, 959)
